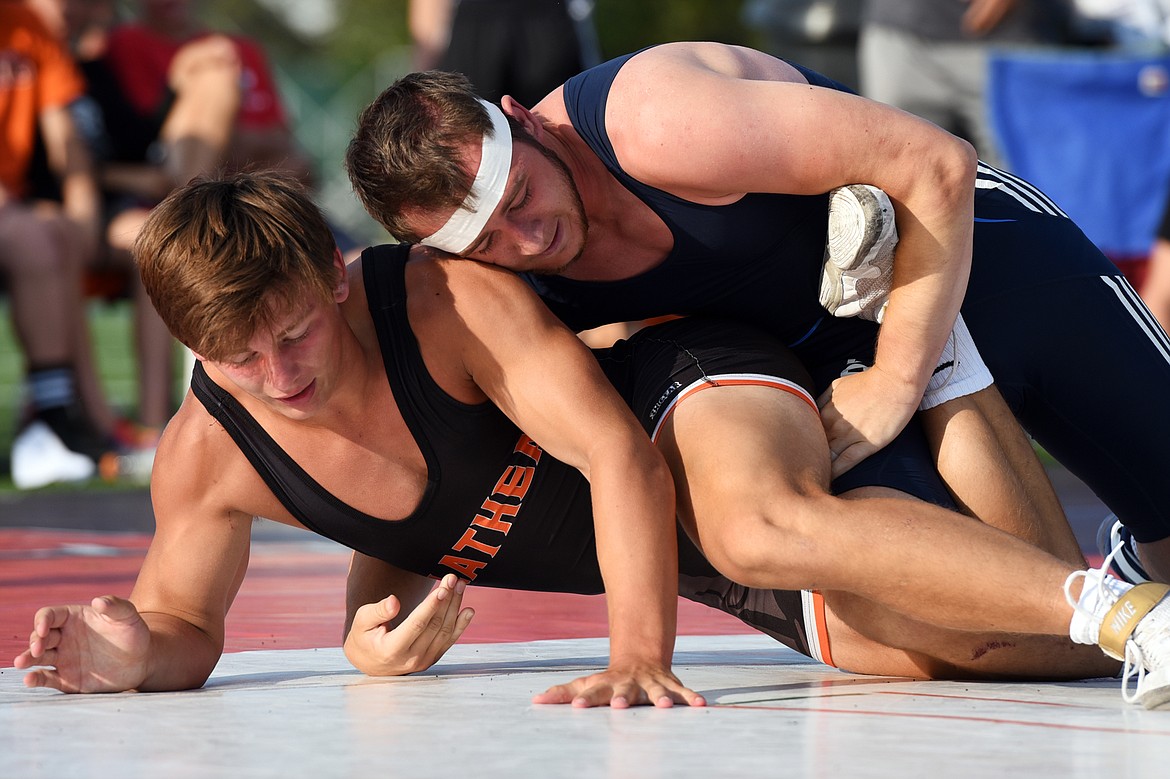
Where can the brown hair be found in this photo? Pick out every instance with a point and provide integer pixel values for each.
(406, 151)
(225, 255)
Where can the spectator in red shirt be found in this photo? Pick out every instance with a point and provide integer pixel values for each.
(158, 70)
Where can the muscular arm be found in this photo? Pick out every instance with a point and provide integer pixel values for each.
(546, 381)
(762, 129)
(170, 633)
(199, 554)
(141, 179)
(430, 30)
(983, 16)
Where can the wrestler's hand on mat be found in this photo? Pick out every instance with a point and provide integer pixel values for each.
(622, 686)
(102, 647)
(862, 412)
(425, 635)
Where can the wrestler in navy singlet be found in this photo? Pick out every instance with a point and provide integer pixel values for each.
(497, 510)
(1076, 355)
(753, 280)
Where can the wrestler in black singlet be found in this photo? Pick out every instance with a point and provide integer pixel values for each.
(497, 510)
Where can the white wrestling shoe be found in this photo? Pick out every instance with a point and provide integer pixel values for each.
(40, 459)
(1130, 623)
(1111, 536)
(859, 252)
(858, 273)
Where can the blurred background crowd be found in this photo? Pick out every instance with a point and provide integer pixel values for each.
(105, 105)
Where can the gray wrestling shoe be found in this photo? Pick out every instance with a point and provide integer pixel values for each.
(1114, 540)
(859, 252)
(1130, 623)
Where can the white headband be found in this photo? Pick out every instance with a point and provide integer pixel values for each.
(487, 190)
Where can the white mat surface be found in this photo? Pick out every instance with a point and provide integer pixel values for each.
(773, 713)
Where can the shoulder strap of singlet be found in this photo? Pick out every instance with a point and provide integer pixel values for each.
(818, 79)
(305, 499)
(384, 272)
(420, 398)
(585, 96)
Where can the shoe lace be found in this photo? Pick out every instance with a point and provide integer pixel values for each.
(1135, 665)
(1137, 660)
(1146, 650)
(1097, 574)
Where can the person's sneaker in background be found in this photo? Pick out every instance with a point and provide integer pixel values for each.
(39, 458)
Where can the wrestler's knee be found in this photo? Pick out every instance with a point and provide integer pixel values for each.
(770, 544)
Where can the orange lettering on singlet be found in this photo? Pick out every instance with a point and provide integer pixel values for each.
(496, 510)
(515, 481)
(468, 540)
(469, 568)
(527, 446)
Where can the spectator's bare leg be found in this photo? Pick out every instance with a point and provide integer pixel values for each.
(70, 244)
(45, 293)
(153, 342)
(37, 288)
(205, 76)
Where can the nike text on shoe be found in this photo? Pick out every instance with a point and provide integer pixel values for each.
(859, 252)
(1130, 623)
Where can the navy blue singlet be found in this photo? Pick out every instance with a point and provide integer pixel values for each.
(1076, 355)
(756, 260)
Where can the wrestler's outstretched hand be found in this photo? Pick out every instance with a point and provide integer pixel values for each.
(418, 642)
(862, 412)
(620, 687)
(101, 647)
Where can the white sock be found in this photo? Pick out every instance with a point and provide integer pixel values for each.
(1099, 592)
(961, 370)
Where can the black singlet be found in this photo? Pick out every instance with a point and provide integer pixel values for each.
(482, 471)
(496, 510)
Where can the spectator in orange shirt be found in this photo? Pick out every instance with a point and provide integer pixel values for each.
(42, 252)
(167, 100)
